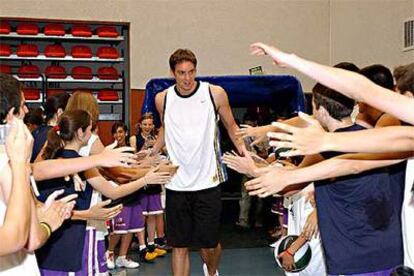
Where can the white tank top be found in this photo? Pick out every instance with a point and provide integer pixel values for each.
(22, 262)
(192, 139)
(99, 225)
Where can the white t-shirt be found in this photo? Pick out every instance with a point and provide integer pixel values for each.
(22, 262)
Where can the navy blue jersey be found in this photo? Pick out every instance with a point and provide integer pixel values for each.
(359, 221)
(150, 189)
(39, 139)
(63, 250)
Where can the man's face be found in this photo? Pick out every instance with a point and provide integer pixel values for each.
(184, 74)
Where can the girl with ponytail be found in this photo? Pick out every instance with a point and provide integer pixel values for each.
(64, 141)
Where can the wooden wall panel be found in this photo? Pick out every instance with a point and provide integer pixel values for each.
(136, 100)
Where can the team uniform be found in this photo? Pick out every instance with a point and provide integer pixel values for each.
(359, 222)
(299, 210)
(131, 219)
(97, 229)
(39, 140)
(21, 262)
(150, 196)
(193, 203)
(72, 237)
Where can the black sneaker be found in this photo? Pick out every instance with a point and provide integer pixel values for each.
(162, 243)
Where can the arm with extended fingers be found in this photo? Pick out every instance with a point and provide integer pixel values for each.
(346, 82)
(314, 139)
(107, 189)
(259, 133)
(48, 169)
(278, 179)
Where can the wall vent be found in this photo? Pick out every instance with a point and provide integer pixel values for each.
(408, 34)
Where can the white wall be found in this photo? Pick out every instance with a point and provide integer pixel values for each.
(369, 31)
(219, 32)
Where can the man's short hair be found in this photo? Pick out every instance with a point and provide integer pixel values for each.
(347, 66)
(404, 76)
(10, 95)
(337, 105)
(379, 74)
(181, 55)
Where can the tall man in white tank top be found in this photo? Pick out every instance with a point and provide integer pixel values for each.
(189, 111)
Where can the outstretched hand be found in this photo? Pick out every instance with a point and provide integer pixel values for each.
(271, 180)
(302, 141)
(279, 58)
(257, 133)
(241, 164)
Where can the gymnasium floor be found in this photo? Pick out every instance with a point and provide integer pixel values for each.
(245, 261)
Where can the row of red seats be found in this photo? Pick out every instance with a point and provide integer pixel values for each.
(54, 29)
(33, 94)
(56, 50)
(59, 72)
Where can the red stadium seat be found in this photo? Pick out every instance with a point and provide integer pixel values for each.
(81, 31)
(107, 31)
(5, 69)
(4, 27)
(108, 73)
(82, 72)
(54, 29)
(55, 72)
(52, 92)
(28, 71)
(107, 52)
(108, 95)
(5, 50)
(81, 51)
(31, 94)
(27, 50)
(55, 50)
(27, 29)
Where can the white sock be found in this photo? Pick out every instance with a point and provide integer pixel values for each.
(141, 247)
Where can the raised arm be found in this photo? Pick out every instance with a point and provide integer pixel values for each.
(15, 229)
(315, 139)
(48, 169)
(348, 83)
(107, 189)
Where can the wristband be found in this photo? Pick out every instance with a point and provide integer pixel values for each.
(47, 227)
(288, 252)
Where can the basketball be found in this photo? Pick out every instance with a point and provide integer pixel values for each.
(302, 256)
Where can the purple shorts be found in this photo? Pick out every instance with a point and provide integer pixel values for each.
(130, 220)
(285, 217)
(92, 262)
(386, 272)
(151, 204)
(277, 206)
